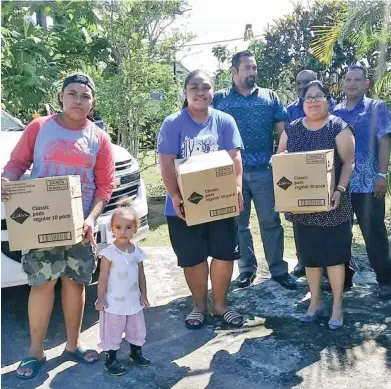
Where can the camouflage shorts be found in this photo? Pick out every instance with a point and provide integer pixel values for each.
(76, 262)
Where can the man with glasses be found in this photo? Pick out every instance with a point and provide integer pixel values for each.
(371, 121)
(258, 113)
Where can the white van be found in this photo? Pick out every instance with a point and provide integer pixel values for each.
(129, 185)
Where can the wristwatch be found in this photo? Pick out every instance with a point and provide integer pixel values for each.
(382, 175)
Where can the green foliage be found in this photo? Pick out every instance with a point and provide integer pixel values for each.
(327, 37)
(35, 57)
(126, 46)
(28, 69)
(222, 77)
(138, 36)
(285, 48)
(367, 27)
(221, 53)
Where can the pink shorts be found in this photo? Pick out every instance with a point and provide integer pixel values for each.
(113, 326)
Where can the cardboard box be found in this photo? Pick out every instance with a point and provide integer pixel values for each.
(45, 212)
(208, 186)
(303, 182)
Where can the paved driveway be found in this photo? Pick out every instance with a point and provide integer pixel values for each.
(272, 351)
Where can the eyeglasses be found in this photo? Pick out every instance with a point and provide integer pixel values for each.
(310, 99)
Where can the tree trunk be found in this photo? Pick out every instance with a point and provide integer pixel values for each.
(41, 19)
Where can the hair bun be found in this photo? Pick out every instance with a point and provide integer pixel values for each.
(126, 210)
(124, 203)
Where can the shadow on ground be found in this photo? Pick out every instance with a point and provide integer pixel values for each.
(272, 351)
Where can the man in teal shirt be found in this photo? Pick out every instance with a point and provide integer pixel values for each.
(258, 112)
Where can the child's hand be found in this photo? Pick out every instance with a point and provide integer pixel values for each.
(100, 305)
(144, 301)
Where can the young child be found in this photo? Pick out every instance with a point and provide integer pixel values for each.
(122, 292)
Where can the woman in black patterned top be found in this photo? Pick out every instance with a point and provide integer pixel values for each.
(324, 238)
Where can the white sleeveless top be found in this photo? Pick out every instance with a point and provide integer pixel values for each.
(123, 290)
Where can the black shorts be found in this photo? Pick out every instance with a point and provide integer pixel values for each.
(323, 246)
(193, 245)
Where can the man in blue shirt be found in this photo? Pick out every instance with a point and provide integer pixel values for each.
(295, 109)
(371, 121)
(258, 112)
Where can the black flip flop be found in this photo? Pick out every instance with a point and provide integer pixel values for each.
(195, 316)
(79, 355)
(32, 363)
(228, 318)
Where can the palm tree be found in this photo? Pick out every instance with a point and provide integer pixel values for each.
(367, 26)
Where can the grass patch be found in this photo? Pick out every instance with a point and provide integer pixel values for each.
(150, 172)
(158, 234)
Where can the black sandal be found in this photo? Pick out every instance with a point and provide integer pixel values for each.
(229, 318)
(197, 317)
(32, 363)
(80, 355)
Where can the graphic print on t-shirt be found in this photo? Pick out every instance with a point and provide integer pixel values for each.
(58, 154)
(61, 150)
(200, 144)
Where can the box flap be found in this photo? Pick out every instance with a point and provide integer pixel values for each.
(303, 153)
(203, 162)
(75, 186)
